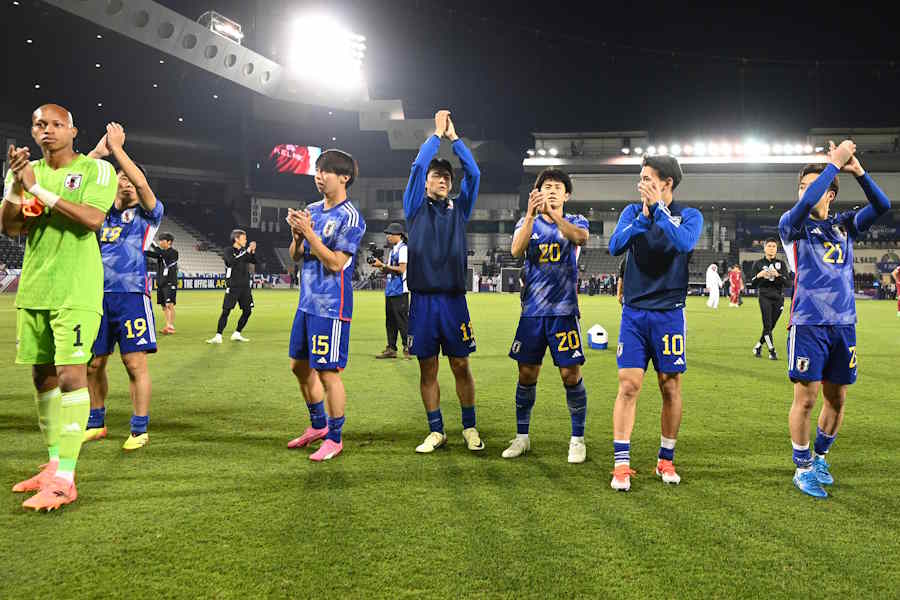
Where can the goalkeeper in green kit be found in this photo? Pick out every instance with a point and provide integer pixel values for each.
(60, 201)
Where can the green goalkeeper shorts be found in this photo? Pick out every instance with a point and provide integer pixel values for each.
(55, 337)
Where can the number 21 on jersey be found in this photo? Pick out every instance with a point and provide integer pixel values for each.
(834, 254)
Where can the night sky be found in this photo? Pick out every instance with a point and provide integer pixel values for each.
(507, 69)
(510, 68)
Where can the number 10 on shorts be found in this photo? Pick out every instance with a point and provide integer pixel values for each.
(673, 344)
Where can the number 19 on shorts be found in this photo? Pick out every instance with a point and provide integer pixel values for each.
(673, 344)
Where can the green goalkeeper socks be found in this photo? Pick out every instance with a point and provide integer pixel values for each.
(76, 406)
(49, 406)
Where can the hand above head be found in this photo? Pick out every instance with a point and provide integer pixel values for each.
(115, 136)
(441, 122)
(451, 130)
(841, 155)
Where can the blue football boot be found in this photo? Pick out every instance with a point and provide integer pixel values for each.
(808, 483)
(822, 473)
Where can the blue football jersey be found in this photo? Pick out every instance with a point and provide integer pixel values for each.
(820, 253)
(124, 237)
(551, 270)
(325, 293)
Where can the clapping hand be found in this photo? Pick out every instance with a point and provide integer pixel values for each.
(536, 203)
(441, 122)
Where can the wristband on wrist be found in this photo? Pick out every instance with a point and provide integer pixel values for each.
(48, 198)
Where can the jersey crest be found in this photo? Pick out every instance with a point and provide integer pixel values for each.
(329, 228)
(73, 181)
(128, 215)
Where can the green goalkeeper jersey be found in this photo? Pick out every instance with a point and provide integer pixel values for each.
(62, 268)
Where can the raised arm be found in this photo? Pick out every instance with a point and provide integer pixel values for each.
(683, 235)
(631, 223)
(115, 140)
(468, 190)
(879, 203)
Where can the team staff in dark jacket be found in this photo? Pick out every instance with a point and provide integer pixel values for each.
(238, 259)
(436, 275)
(166, 277)
(771, 274)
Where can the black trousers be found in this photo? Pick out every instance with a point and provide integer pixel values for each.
(396, 319)
(236, 296)
(771, 308)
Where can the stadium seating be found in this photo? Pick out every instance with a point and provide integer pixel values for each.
(11, 252)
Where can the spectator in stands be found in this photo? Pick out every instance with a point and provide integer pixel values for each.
(2, 269)
(396, 294)
(713, 285)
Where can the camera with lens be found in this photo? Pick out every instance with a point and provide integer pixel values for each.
(375, 253)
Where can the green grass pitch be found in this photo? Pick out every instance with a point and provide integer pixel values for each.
(216, 506)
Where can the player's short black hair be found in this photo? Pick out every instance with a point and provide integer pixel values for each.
(665, 166)
(440, 164)
(818, 168)
(553, 174)
(770, 240)
(340, 163)
(236, 233)
(167, 236)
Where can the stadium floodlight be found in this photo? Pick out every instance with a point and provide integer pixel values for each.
(662, 149)
(725, 148)
(798, 148)
(222, 25)
(626, 150)
(739, 149)
(542, 152)
(713, 149)
(777, 149)
(700, 149)
(675, 149)
(530, 152)
(807, 149)
(323, 52)
(638, 151)
(688, 149)
(651, 150)
(554, 151)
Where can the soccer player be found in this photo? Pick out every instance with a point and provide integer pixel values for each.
(60, 298)
(550, 242)
(166, 277)
(396, 293)
(436, 274)
(735, 286)
(326, 237)
(771, 276)
(713, 284)
(822, 338)
(896, 275)
(127, 231)
(659, 235)
(238, 259)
